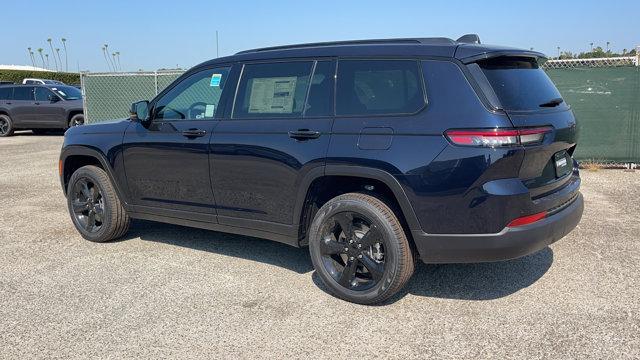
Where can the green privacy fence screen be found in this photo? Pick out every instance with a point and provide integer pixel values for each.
(606, 102)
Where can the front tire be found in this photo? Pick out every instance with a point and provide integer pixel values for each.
(76, 120)
(94, 206)
(359, 249)
(6, 126)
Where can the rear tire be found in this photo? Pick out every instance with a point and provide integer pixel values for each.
(359, 249)
(94, 206)
(6, 126)
(76, 120)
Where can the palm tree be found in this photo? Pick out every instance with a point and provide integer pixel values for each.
(39, 50)
(59, 58)
(31, 57)
(118, 57)
(591, 46)
(47, 57)
(608, 46)
(66, 59)
(104, 52)
(115, 64)
(54, 57)
(106, 49)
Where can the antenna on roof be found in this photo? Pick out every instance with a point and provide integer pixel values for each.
(469, 39)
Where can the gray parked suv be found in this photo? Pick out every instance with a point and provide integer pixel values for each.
(39, 108)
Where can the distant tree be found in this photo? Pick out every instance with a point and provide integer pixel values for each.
(31, 57)
(66, 59)
(567, 55)
(53, 53)
(39, 50)
(59, 58)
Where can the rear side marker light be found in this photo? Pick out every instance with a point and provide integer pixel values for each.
(526, 220)
(498, 137)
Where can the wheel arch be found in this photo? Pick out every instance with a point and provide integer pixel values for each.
(313, 193)
(75, 157)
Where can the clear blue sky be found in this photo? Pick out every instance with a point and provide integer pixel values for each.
(156, 34)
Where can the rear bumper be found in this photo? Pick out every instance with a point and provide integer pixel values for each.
(510, 243)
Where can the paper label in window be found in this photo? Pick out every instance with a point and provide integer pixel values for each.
(209, 110)
(272, 95)
(215, 80)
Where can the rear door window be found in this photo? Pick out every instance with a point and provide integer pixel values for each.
(320, 99)
(23, 93)
(5, 93)
(271, 90)
(379, 87)
(520, 84)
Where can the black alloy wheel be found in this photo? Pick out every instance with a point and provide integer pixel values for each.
(88, 205)
(353, 250)
(5, 126)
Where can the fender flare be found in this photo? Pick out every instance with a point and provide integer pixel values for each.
(361, 172)
(98, 155)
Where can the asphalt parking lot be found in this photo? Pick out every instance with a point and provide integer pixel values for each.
(170, 291)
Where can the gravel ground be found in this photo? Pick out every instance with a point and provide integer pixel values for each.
(170, 291)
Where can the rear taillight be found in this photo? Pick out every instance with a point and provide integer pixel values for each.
(498, 137)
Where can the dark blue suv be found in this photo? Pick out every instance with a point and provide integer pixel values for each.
(372, 153)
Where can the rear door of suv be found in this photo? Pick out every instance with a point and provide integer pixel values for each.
(276, 131)
(20, 104)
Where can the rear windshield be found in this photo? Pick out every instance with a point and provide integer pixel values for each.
(520, 83)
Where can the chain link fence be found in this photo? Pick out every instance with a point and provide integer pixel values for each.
(108, 96)
(592, 63)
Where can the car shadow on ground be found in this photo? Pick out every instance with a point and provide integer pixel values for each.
(260, 250)
(484, 281)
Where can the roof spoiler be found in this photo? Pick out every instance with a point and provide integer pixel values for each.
(469, 39)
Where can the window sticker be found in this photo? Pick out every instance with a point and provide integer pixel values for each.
(209, 110)
(215, 80)
(272, 95)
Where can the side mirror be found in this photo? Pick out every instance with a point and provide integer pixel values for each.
(53, 98)
(139, 111)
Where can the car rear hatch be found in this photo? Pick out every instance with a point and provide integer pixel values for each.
(516, 84)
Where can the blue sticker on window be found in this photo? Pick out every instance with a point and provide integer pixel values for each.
(215, 80)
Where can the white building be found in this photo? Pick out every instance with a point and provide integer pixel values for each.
(23, 67)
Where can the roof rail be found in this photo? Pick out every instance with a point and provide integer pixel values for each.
(426, 41)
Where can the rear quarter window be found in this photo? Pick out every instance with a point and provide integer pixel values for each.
(520, 84)
(379, 87)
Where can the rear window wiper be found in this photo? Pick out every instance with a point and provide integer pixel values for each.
(552, 103)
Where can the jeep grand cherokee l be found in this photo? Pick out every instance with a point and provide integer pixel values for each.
(39, 108)
(372, 153)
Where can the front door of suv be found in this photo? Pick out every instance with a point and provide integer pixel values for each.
(277, 131)
(167, 161)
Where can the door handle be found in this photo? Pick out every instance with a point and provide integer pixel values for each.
(36, 103)
(194, 133)
(304, 134)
